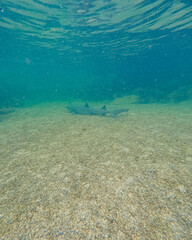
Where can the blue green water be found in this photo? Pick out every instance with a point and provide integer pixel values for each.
(95, 50)
(105, 176)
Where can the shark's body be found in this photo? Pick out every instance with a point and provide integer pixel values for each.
(86, 110)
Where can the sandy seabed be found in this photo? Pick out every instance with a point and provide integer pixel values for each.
(65, 176)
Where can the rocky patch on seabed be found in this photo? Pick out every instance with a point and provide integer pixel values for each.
(4, 110)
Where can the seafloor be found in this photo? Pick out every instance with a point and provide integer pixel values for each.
(65, 176)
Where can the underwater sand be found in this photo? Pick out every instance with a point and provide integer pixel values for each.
(66, 176)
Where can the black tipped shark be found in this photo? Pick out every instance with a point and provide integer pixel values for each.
(86, 110)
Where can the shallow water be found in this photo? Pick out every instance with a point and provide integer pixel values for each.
(66, 176)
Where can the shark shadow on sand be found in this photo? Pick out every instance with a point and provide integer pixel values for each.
(86, 110)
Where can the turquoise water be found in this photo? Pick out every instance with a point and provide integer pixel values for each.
(121, 168)
(95, 50)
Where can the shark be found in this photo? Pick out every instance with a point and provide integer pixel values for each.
(86, 110)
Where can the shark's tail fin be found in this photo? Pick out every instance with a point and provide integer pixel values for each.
(104, 108)
(116, 112)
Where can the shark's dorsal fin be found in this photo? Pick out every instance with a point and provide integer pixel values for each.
(104, 108)
(86, 105)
